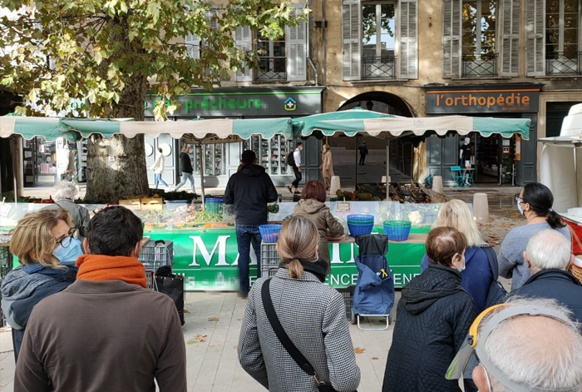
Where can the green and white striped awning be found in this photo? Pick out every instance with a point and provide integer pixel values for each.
(198, 131)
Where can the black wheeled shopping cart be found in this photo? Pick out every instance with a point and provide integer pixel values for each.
(374, 291)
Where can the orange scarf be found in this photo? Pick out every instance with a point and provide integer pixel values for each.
(101, 267)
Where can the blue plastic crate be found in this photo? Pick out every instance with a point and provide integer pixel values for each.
(270, 232)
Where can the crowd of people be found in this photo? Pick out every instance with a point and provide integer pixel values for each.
(81, 318)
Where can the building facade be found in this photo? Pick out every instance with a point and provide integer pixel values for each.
(511, 58)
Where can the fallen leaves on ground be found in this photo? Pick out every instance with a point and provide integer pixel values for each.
(375, 358)
(359, 350)
(235, 346)
(213, 318)
(198, 338)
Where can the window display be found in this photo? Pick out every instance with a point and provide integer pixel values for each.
(271, 153)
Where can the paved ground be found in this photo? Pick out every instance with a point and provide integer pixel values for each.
(213, 320)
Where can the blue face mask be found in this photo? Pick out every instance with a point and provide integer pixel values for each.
(68, 251)
(519, 207)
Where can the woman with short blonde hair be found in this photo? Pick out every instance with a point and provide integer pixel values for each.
(477, 276)
(40, 240)
(311, 313)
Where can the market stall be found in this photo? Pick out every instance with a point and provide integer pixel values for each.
(561, 170)
(205, 251)
(358, 121)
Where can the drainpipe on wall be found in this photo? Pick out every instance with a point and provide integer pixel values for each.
(312, 66)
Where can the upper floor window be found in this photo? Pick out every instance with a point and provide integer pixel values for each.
(283, 59)
(379, 39)
(556, 48)
(479, 28)
(481, 38)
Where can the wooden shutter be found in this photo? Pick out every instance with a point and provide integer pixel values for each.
(534, 37)
(407, 39)
(510, 28)
(243, 38)
(297, 52)
(452, 38)
(351, 39)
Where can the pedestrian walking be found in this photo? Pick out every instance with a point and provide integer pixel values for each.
(312, 315)
(158, 169)
(363, 148)
(107, 331)
(250, 189)
(187, 170)
(296, 164)
(326, 165)
(40, 241)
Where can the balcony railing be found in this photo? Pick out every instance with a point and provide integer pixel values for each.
(560, 65)
(272, 69)
(374, 67)
(480, 66)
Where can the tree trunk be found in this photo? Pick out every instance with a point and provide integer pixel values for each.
(116, 166)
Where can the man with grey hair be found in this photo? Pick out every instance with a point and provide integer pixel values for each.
(548, 255)
(523, 345)
(64, 194)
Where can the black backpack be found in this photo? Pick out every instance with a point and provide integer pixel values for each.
(290, 159)
(497, 293)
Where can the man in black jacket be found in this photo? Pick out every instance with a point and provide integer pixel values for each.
(548, 255)
(250, 189)
(187, 169)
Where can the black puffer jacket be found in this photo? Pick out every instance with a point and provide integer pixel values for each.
(250, 189)
(433, 318)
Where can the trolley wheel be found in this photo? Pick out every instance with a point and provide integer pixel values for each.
(354, 318)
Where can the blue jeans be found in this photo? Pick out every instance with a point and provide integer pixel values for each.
(185, 177)
(245, 234)
(158, 179)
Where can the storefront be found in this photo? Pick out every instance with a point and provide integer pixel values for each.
(496, 159)
(218, 161)
(46, 162)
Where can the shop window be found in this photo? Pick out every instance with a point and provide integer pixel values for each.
(553, 44)
(376, 43)
(271, 153)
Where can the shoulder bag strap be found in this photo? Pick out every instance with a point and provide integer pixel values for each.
(492, 258)
(280, 332)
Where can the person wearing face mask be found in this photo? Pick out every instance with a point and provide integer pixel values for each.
(434, 315)
(41, 241)
(477, 277)
(534, 202)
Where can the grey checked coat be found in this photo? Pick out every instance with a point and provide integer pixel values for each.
(314, 317)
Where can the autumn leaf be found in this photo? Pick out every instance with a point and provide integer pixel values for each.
(375, 358)
(213, 318)
(198, 338)
(359, 350)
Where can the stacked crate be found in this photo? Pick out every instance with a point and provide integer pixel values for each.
(269, 259)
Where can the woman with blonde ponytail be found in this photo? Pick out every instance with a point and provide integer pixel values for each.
(311, 313)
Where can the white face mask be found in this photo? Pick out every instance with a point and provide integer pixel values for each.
(461, 269)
